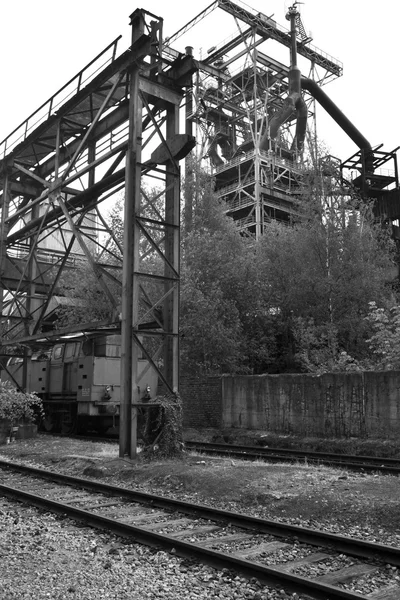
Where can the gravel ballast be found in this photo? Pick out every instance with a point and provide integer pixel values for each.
(44, 556)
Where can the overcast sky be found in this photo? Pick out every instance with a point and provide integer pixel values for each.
(45, 43)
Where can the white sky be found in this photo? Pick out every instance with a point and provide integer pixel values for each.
(45, 43)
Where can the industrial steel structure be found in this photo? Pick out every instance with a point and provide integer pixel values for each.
(256, 118)
(116, 126)
(113, 127)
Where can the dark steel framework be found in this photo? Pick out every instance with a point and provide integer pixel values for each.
(113, 127)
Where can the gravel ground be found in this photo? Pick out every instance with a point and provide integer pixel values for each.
(43, 556)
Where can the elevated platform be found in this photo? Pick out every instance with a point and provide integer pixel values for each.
(375, 174)
(258, 187)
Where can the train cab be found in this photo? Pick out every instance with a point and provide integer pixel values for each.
(79, 382)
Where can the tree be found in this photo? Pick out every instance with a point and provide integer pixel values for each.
(317, 348)
(384, 342)
(323, 271)
(210, 324)
(82, 298)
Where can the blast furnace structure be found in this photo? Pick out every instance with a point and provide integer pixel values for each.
(254, 109)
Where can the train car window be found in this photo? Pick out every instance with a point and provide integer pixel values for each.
(58, 352)
(14, 360)
(109, 346)
(41, 356)
(113, 351)
(87, 347)
(69, 351)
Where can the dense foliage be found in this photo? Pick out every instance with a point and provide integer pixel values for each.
(16, 405)
(384, 341)
(298, 299)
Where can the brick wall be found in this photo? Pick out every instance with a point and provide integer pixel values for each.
(202, 401)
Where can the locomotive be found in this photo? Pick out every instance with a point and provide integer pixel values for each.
(78, 380)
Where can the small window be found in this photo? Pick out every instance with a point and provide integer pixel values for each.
(69, 351)
(87, 347)
(58, 352)
(40, 356)
(14, 360)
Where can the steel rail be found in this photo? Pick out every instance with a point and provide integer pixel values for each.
(354, 547)
(367, 463)
(269, 575)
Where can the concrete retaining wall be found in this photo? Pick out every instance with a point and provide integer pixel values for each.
(331, 405)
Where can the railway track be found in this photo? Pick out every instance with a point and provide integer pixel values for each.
(390, 466)
(365, 463)
(223, 539)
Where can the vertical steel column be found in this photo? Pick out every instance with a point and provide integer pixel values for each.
(32, 303)
(189, 171)
(130, 283)
(257, 193)
(3, 234)
(172, 252)
(291, 16)
(257, 172)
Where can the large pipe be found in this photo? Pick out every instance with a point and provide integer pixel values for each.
(293, 104)
(340, 118)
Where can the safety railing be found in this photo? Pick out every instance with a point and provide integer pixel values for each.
(72, 87)
(232, 163)
(43, 255)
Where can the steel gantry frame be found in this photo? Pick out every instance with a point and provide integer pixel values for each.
(113, 127)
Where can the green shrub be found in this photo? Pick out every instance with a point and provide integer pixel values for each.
(16, 406)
